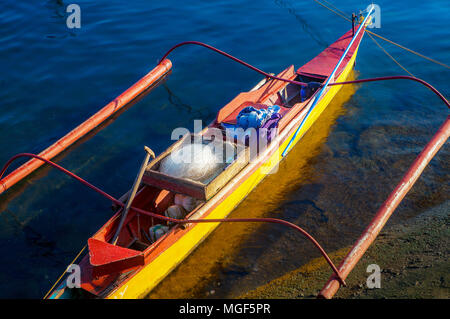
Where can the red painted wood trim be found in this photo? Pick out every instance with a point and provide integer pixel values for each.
(386, 210)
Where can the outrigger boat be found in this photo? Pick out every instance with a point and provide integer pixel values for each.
(124, 262)
(165, 215)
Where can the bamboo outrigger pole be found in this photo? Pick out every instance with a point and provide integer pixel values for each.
(149, 80)
(386, 210)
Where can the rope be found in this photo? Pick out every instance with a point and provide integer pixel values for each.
(383, 38)
(341, 15)
(336, 8)
(387, 53)
(173, 220)
(62, 275)
(409, 50)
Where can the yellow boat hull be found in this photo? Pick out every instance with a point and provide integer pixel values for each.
(148, 277)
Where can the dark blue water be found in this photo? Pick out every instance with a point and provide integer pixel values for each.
(53, 78)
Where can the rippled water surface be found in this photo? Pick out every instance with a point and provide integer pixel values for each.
(331, 183)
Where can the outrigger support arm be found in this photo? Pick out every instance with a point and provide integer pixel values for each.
(267, 75)
(148, 81)
(397, 77)
(179, 221)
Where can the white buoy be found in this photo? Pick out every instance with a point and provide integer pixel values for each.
(187, 202)
(157, 232)
(175, 211)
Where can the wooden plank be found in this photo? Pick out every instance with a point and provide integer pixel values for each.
(178, 185)
(223, 178)
(154, 177)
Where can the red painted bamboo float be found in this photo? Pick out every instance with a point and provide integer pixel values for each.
(81, 130)
(386, 210)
